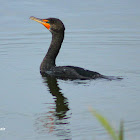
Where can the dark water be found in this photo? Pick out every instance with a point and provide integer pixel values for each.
(103, 36)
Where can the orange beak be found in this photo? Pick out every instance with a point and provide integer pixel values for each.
(42, 21)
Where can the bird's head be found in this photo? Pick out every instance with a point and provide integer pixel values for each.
(54, 25)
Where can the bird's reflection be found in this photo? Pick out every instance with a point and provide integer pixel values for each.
(56, 119)
(61, 101)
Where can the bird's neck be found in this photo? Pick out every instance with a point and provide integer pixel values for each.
(49, 60)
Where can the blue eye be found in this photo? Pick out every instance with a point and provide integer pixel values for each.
(48, 22)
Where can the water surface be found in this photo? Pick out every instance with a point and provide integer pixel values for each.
(100, 36)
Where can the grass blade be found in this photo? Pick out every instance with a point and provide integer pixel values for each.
(121, 133)
(105, 124)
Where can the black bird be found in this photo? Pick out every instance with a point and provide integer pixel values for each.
(48, 66)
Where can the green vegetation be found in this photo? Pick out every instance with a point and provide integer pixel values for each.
(105, 123)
